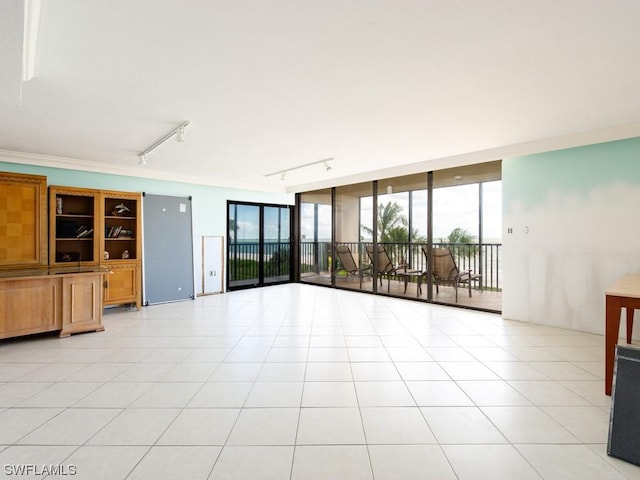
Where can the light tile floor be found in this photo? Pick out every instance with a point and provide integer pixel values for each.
(302, 382)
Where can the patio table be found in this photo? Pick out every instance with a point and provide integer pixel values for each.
(406, 275)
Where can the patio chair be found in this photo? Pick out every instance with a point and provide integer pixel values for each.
(349, 264)
(443, 267)
(386, 268)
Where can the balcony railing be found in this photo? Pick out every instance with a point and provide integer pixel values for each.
(315, 257)
(484, 258)
(244, 260)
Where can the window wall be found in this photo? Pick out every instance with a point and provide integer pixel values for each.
(388, 230)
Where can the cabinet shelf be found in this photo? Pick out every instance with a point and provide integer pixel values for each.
(124, 282)
(72, 210)
(105, 211)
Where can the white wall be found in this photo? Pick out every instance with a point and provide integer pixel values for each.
(575, 218)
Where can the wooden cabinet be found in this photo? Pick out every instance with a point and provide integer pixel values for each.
(121, 246)
(29, 305)
(34, 298)
(99, 228)
(120, 220)
(72, 226)
(50, 300)
(23, 220)
(123, 284)
(81, 303)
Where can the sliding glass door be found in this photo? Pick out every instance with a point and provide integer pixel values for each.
(316, 218)
(276, 255)
(467, 236)
(259, 245)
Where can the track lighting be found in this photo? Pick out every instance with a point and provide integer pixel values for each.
(283, 173)
(179, 134)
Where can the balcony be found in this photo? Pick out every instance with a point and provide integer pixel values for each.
(316, 266)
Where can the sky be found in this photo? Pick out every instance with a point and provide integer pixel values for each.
(454, 207)
(276, 222)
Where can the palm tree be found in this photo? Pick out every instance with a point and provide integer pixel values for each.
(393, 228)
(461, 242)
(459, 235)
(392, 225)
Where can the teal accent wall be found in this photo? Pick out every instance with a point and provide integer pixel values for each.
(208, 202)
(529, 179)
(568, 236)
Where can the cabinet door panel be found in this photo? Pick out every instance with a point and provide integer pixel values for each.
(121, 285)
(23, 219)
(73, 229)
(82, 305)
(29, 306)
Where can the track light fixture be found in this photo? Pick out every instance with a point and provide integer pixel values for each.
(179, 134)
(283, 173)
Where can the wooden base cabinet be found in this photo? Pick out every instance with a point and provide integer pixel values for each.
(46, 301)
(81, 304)
(30, 305)
(123, 285)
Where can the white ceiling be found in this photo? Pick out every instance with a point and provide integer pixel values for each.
(270, 85)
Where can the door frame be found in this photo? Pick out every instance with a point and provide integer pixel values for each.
(260, 281)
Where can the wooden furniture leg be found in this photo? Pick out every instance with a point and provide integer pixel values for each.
(613, 310)
(630, 312)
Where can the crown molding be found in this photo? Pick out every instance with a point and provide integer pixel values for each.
(67, 163)
(592, 137)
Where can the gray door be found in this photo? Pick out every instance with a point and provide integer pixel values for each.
(168, 249)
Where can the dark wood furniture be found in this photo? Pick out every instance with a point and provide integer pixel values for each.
(624, 293)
